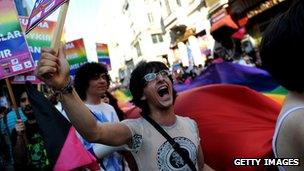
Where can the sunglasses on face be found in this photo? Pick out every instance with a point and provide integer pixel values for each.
(152, 76)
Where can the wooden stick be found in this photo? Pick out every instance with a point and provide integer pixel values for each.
(10, 91)
(39, 87)
(59, 27)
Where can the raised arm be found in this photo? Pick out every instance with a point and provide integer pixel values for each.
(54, 71)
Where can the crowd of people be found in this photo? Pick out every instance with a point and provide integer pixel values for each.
(158, 132)
(185, 74)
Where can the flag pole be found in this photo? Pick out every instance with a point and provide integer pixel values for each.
(15, 107)
(59, 27)
(12, 97)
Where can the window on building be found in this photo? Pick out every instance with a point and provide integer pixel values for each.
(150, 17)
(167, 4)
(157, 38)
(126, 6)
(138, 50)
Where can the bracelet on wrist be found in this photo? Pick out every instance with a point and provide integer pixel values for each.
(67, 89)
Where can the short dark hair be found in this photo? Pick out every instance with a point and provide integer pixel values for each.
(137, 82)
(85, 74)
(282, 48)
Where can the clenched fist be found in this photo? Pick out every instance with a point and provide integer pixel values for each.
(53, 68)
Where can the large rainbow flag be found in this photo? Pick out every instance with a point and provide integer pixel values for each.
(234, 122)
(230, 73)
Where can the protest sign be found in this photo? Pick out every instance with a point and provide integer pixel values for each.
(15, 57)
(75, 54)
(103, 54)
(41, 10)
(40, 36)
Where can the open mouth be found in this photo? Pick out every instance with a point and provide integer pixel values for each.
(162, 91)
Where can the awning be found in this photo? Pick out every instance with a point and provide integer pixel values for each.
(224, 22)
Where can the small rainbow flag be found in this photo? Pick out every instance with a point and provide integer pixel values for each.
(103, 54)
(76, 54)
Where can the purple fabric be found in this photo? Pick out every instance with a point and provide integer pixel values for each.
(230, 73)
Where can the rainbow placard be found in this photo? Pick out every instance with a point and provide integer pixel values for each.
(41, 10)
(15, 57)
(40, 36)
(75, 54)
(103, 54)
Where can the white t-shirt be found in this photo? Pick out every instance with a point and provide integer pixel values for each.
(107, 110)
(153, 152)
(104, 112)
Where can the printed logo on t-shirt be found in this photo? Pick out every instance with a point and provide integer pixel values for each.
(136, 142)
(169, 159)
(37, 153)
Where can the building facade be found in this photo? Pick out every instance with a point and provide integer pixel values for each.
(238, 25)
(187, 27)
(171, 31)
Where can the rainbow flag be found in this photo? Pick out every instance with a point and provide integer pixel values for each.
(15, 57)
(234, 122)
(103, 54)
(278, 94)
(230, 73)
(40, 36)
(75, 54)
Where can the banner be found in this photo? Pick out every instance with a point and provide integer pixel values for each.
(41, 10)
(75, 54)
(103, 54)
(40, 36)
(15, 57)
